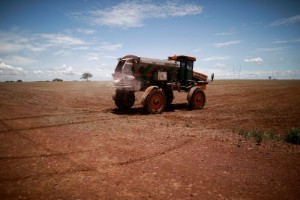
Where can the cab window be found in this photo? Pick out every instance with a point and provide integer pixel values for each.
(190, 65)
(127, 67)
(119, 66)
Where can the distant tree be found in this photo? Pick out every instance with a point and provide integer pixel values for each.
(19, 81)
(57, 79)
(86, 76)
(270, 77)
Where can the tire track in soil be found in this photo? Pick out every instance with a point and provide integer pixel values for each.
(11, 130)
(47, 175)
(50, 152)
(46, 155)
(254, 98)
(154, 155)
(60, 114)
(4, 126)
(66, 155)
(90, 169)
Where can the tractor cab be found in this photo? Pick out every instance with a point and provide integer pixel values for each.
(185, 72)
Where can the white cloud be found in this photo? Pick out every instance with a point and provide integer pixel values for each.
(213, 58)
(38, 72)
(86, 31)
(286, 21)
(197, 50)
(14, 42)
(80, 30)
(227, 73)
(257, 60)
(60, 40)
(220, 65)
(264, 74)
(99, 56)
(130, 14)
(10, 70)
(92, 57)
(65, 69)
(109, 57)
(285, 41)
(280, 42)
(110, 47)
(224, 44)
(231, 32)
(60, 53)
(270, 49)
(81, 48)
(19, 60)
(8, 47)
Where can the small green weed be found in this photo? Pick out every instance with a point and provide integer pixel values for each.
(271, 135)
(188, 125)
(257, 135)
(293, 136)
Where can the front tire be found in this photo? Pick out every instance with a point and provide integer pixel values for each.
(124, 99)
(155, 101)
(197, 100)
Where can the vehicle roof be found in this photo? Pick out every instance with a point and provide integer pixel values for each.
(175, 57)
(130, 56)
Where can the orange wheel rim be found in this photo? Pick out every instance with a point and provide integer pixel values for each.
(198, 100)
(156, 102)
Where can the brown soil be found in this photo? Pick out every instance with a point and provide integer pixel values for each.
(68, 141)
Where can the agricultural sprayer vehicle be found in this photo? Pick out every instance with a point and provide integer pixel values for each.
(158, 79)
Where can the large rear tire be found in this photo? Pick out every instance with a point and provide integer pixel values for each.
(197, 99)
(155, 101)
(124, 99)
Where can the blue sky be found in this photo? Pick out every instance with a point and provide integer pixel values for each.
(42, 40)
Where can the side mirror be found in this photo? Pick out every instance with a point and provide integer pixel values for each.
(212, 76)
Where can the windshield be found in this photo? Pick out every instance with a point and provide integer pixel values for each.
(127, 67)
(190, 65)
(119, 66)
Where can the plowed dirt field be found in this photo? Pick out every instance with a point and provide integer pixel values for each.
(66, 140)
